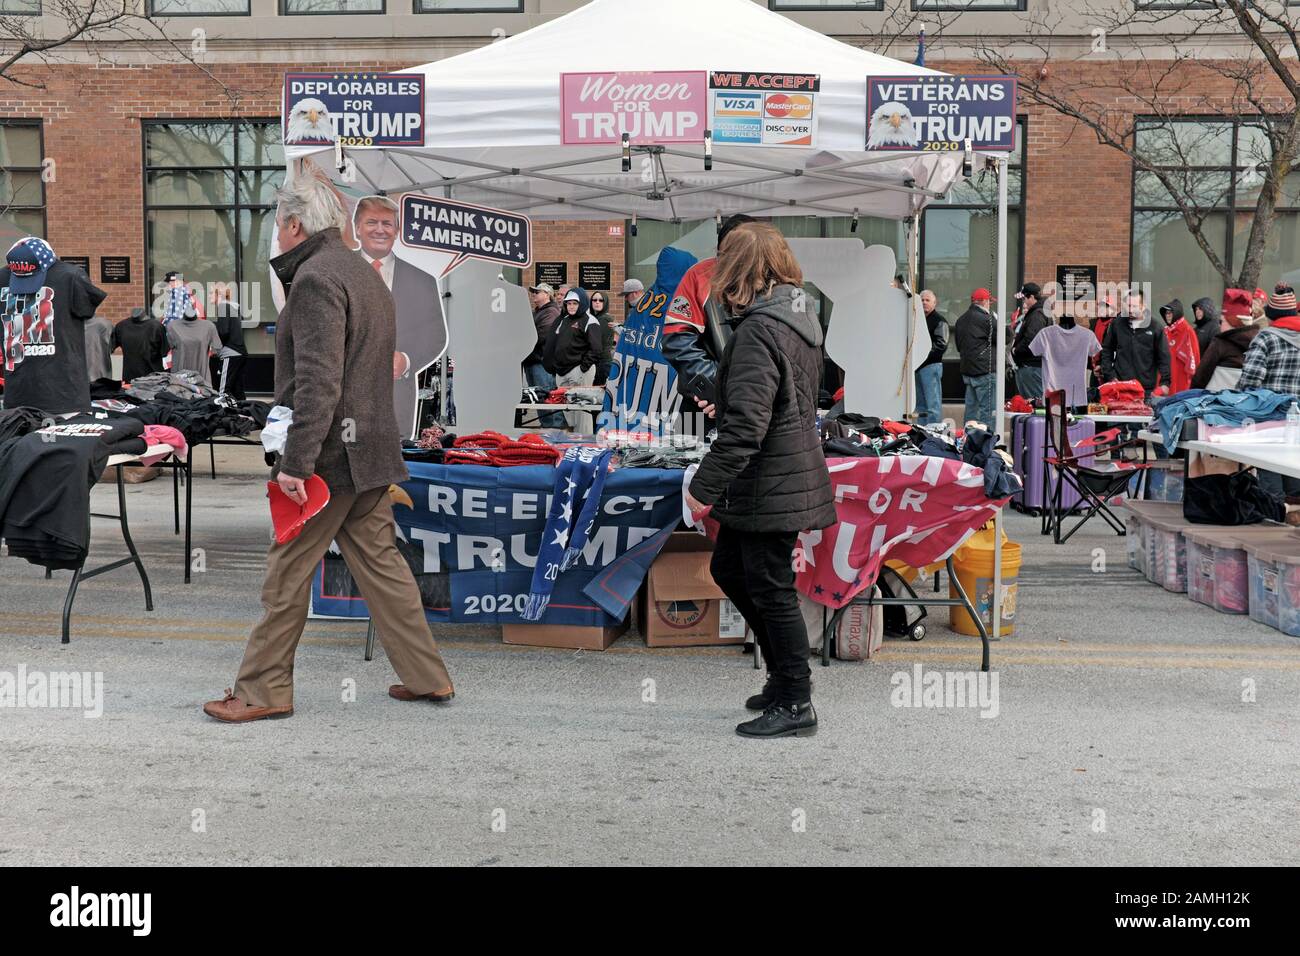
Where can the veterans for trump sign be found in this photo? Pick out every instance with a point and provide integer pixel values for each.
(353, 109)
(928, 113)
(651, 107)
(466, 230)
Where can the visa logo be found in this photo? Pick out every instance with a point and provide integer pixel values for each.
(737, 104)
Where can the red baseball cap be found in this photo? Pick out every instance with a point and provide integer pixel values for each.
(979, 295)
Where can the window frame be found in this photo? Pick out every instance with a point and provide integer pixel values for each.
(39, 124)
(1231, 210)
(518, 7)
(963, 6)
(38, 12)
(284, 11)
(1022, 137)
(805, 6)
(248, 12)
(235, 167)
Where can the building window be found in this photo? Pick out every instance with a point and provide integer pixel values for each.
(199, 8)
(957, 6)
(1216, 163)
(469, 6)
(959, 240)
(826, 5)
(22, 186)
(20, 8)
(291, 7)
(209, 196)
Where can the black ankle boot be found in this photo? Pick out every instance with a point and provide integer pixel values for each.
(765, 698)
(782, 720)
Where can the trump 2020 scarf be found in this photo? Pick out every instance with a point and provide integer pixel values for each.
(579, 478)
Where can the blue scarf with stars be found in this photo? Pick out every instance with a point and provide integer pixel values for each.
(579, 480)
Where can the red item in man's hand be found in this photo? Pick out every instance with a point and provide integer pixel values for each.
(287, 516)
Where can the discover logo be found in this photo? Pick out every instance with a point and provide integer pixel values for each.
(946, 690)
(102, 909)
(70, 689)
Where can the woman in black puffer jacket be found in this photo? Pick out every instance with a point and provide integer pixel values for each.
(765, 475)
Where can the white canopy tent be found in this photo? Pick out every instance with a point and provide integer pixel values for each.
(493, 123)
(493, 131)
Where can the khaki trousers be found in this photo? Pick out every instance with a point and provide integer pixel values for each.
(362, 524)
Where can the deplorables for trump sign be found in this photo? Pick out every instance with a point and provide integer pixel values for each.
(466, 230)
(927, 113)
(652, 107)
(763, 109)
(355, 109)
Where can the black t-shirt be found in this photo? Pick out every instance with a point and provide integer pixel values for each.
(45, 340)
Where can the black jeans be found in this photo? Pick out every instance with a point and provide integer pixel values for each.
(756, 571)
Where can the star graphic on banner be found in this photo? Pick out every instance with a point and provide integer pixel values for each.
(571, 484)
(566, 512)
(559, 538)
(857, 579)
(818, 589)
(520, 256)
(836, 595)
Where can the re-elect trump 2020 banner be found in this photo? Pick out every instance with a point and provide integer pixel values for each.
(354, 109)
(929, 113)
(472, 539)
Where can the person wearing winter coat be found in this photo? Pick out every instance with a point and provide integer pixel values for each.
(1205, 320)
(1134, 350)
(1029, 367)
(764, 478)
(574, 341)
(1184, 348)
(1221, 363)
(600, 309)
(1273, 362)
(974, 333)
(929, 377)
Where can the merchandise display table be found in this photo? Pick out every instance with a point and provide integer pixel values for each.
(117, 463)
(1275, 457)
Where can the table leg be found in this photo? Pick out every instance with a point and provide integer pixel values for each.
(176, 496)
(955, 582)
(67, 605)
(212, 454)
(370, 640)
(130, 544)
(189, 508)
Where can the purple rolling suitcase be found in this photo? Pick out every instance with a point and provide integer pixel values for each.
(1028, 448)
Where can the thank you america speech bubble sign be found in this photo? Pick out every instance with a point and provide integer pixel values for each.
(467, 231)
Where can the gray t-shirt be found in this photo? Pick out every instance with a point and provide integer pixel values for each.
(1065, 353)
(190, 340)
(99, 349)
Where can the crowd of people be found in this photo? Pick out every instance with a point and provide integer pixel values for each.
(1165, 350)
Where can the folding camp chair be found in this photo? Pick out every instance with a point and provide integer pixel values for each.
(1097, 484)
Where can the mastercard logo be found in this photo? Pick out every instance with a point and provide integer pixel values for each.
(787, 106)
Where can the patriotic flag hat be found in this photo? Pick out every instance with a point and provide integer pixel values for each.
(28, 261)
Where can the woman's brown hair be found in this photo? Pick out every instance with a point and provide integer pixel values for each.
(753, 258)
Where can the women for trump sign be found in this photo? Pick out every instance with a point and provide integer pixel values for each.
(652, 107)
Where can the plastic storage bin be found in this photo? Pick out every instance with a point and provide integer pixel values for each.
(1169, 552)
(1274, 568)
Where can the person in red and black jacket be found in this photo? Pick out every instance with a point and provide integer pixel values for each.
(694, 330)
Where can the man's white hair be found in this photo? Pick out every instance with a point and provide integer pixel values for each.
(312, 203)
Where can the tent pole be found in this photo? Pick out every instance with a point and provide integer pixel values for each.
(999, 414)
(445, 361)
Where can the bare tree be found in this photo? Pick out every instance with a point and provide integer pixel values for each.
(1235, 59)
(49, 32)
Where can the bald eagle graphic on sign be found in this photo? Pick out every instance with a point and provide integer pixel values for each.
(892, 125)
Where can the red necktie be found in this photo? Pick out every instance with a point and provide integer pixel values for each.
(379, 266)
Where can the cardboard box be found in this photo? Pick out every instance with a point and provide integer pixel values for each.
(562, 635)
(682, 604)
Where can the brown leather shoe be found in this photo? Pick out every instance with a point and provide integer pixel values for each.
(399, 692)
(234, 711)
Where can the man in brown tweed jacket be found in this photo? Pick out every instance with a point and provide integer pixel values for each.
(334, 367)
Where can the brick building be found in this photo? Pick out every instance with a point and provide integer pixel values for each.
(123, 149)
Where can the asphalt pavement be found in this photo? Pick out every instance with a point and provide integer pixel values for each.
(1130, 726)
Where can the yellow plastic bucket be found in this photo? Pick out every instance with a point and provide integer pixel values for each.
(973, 566)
